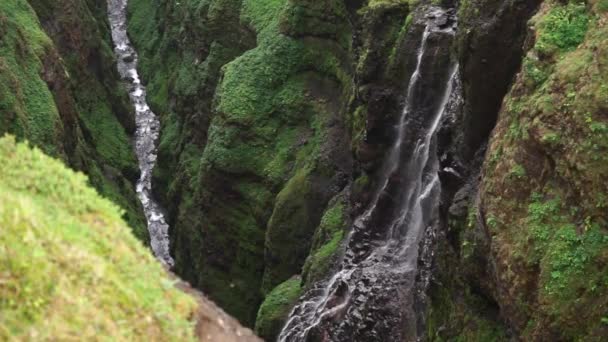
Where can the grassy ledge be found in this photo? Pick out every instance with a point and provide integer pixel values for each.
(70, 267)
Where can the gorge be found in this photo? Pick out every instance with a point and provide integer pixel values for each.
(323, 170)
(146, 134)
(379, 264)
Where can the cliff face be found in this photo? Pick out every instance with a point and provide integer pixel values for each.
(543, 192)
(263, 105)
(253, 139)
(277, 115)
(276, 118)
(525, 253)
(59, 90)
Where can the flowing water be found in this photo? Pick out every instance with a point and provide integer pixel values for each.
(146, 135)
(371, 295)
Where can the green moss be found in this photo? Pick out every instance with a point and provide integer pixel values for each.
(27, 107)
(76, 116)
(60, 240)
(550, 230)
(564, 254)
(289, 230)
(108, 136)
(465, 320)
(262, 14)
(326, 241)
(276, 307)
(246, 103)
(517, 171)
(564, 27)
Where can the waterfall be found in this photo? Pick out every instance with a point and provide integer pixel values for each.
(147, 133)
(371, 296)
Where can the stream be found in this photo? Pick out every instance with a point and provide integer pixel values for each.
(147, 133)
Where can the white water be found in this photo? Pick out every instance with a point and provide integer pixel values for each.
(147, 133)
(396, 256)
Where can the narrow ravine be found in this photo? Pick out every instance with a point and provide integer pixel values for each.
(147, 133)
(371, 296)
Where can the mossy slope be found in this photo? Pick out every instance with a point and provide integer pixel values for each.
(71, 268)
(59, 90)
(251, 114)
(544, 190)
(534, 246)
(259, 101)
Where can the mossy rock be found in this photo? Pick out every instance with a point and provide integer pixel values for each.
(60, 91)
(247, 97)
(276, 307)
(544, 193)
(326, 242)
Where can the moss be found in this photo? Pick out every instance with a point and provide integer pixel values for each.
(246, 103)
(64, 96)
(325, 244)
(460, 308)
(462, 320)
(27, 106)
(60, 239)
(563, 27)
(550, 229)
(289, 229)
(563, 254)
(276, 307)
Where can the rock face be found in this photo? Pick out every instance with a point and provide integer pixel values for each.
(254, 138)
(523, 251)
(59, 90)
(276, 119)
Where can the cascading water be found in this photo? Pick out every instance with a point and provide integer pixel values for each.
(147, 132)
(371, 297)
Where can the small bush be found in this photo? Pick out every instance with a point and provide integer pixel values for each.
(564, 28)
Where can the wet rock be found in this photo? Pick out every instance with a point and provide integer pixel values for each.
(129, 58)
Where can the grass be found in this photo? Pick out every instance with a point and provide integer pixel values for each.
(71, 269)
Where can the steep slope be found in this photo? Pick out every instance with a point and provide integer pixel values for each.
(59, 90)
(251, 135)
(276, 117)
(70, 266)
(271, 110)
(531, 248)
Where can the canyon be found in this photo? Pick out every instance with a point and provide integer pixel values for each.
(335, 170)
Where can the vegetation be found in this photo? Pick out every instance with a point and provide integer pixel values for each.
(276, 307)
(268, 145)
(50, 95)
(551, 237)
(563, 27)
(27, 107)
(253, 152)
(325, 243)
(71, 269)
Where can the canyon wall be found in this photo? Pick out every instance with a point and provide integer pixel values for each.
(524, 246)
(60, 91)
(277, 115)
